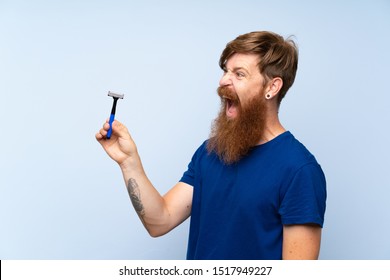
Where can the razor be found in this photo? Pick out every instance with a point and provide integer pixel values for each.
(115, 96)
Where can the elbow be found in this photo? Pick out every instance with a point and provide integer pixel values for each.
(155, 232)
(157, 227)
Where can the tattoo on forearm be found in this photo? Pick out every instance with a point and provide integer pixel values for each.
(135, 196)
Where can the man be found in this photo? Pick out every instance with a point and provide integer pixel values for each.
(252, 190)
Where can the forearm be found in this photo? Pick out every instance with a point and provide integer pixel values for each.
(147, 201)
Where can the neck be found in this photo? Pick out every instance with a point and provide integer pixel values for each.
(273, 128)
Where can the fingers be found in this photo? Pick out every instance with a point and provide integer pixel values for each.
(99, 137)
(103, 131)
(117, 129)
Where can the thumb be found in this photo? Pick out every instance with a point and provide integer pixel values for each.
(120, 129)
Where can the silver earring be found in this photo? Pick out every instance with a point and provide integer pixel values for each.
(268, 96)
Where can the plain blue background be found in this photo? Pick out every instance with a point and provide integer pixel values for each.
(61, 197)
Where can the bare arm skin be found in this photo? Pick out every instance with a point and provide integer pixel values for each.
(159, 214)
(301, 242)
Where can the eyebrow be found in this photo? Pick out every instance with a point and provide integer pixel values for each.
(238, 68)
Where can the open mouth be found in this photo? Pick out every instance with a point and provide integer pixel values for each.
(230, 101)
(231, 107)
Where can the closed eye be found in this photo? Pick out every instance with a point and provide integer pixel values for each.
(240, 74)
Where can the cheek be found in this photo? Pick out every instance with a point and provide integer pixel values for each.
(245, 94)
(246, 90)
(255, 91)
(241, 91)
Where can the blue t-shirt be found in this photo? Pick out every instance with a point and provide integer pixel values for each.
(238, 210)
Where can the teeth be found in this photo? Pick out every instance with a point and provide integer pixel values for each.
(228, 99)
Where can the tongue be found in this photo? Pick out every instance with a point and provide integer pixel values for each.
(231, 110)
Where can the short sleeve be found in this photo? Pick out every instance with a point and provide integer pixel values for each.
(189, 176)
(305, 198)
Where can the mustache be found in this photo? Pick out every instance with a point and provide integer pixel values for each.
(227, 94)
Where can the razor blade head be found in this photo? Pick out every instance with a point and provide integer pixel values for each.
(117, 95)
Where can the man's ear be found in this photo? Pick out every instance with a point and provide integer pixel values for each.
(274, 86)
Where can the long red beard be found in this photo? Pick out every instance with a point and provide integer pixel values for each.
(232, 139)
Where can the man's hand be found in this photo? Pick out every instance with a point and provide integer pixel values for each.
(120, 147)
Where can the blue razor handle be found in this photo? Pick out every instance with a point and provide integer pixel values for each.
(115, 96)
(112, 117)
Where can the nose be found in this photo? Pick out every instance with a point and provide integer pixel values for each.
(225, 79)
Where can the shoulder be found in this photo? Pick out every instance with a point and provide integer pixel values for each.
(292, 158)
(202, 149)
(295, 153)
(200, 153)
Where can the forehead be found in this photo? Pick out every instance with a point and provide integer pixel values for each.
(240, 60)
